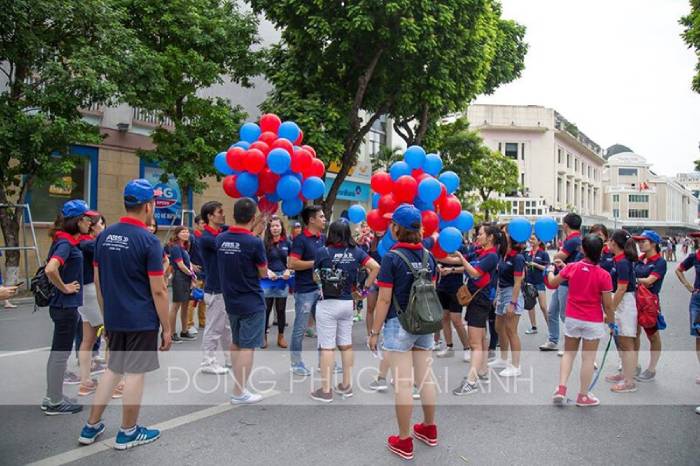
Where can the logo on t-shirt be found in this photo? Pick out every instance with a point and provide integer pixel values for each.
(116, 242)
(230, 247)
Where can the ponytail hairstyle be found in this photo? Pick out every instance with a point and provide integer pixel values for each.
(624, 241)
(592, 246)
(511, 244)
(499, 239)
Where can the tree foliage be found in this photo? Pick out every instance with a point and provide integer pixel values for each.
(691, 35)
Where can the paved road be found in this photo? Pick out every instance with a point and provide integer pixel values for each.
(511, 423)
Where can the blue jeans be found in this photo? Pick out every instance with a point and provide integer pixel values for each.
(304, 304)
(557, 311)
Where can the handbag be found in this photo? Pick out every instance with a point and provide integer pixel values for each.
(464, 296)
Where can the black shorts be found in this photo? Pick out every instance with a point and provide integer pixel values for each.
(133, 352)
(449, 301)
(478, 310)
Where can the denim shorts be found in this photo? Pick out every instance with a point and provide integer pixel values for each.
(694, 313)
(503, 298)
(539, 287)
(247, 330)
(399, 340)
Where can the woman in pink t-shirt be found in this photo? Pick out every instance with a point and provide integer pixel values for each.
(590, 293)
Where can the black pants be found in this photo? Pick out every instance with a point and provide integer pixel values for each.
(281, 312)
(65, 320)
(493, 341)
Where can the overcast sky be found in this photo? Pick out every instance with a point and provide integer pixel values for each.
(618, 69)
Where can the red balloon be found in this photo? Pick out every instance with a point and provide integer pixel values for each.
(229, 185)
(450, 208)
(438, 252)
(443, 195)
(261, 146)
(268, 180)
(270, 123)
(235, 158)
(283, 144)
(317, 168)
(268, 137)
(381, 183)
(405, 189)
(376, 221)
(254, 161)
(387, 204)
(421, 176)
(311, 150)
(301, 160)
(300, 138)
(266, 206)
(416, 172)
(430, 222)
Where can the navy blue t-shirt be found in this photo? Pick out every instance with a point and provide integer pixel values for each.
(126, 255)
(693, 260)
(607, 260)
(486, 262)
(196, 254)
(304, 247)
(623, 274)
(66, 251)
(277, 255)
(394, 273)
(572, 249)
(207, 247)
(540, 257)
(87, 247)
(509, 267)
(179, 254)
(349, 260)
(451, 283)
(239, 256)
(652, 266)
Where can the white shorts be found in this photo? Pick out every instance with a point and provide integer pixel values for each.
(334, 323)
(626, 316)
(575, 328)
(90, 310)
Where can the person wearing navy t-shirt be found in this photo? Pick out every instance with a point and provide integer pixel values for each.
(64, 269)
(242, 263)
(569, 253)
(623, 246)
(183, 277)
(607, 258)
(277, 248)
(134, 302)
(536, 260)
(692, 261)
(217, 328)
(480, 271)
(650, 271)
(198, 268)
(334, 315)
(306, 291)
(451, 279)
(409, 355)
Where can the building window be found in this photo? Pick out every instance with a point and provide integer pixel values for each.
(638, 213)
(627, 171)
(568, 160)
(639, 198)
(522, 180)
(616, 213)
(559, 183)
(511, 150)
(559, 156)
(575, 165)
(568, 192)
(589, 171)
(616, 198)
(522, 151)
(377, 135)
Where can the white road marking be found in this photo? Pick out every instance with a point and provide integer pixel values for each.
(108, 444)
(17, 353)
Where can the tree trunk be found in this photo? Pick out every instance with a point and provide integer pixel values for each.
(10, 230)
(422, 125)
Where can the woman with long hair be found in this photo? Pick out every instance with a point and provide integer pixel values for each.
(277, 248)
(183, 278)
(537, 261)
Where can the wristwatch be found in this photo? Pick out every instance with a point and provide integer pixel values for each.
(372, 333)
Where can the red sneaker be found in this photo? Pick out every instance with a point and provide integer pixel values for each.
(426, 434)
(559, 395)
(587, 400)
(402, 447)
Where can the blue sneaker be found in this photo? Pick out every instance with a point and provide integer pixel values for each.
(66, 406)
(141, 436)
(300, 370)
(89, 434)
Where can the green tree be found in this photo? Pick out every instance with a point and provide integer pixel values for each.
(492, 175)
(691, 35)
(384, 157)
(342, 66)
(189, 45)
(56, 56)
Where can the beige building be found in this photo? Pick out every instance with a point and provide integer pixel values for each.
(637, 198)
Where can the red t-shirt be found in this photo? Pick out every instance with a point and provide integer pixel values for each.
(587, 283)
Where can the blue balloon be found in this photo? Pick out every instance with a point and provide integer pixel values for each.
(546, 229)
(278, 160)
(288, 187)
(432, 164)
(387, 242)
(250, 132)
(450, 239)
(221, 165)
(272, 197)
(464, 221)
(451, 181)
(381, 249)
(292, 207)
(289, 131)
(245, 145)
(399, 169)
(356, 213)
(519, 229)
(422, 205)
(313, 187)
(375, 200)
(247, 184)
(429, 190)
(414, 157)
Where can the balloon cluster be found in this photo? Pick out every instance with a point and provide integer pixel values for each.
(520, 229)
(270, 164)
(418, 179)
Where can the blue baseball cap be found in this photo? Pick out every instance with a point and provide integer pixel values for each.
(139, 191)
(407, 216)
(651, 235)
(76, 208)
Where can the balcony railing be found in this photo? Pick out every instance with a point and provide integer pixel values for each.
(151, 117)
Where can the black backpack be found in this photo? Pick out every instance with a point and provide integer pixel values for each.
(42, 288)
(332, 279)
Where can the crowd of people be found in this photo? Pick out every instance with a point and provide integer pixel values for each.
(116, 277)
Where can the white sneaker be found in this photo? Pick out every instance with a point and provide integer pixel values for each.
(247, 398)
(467, 355)
(560, 353)
(510, 371)
(214, 369)
(446, 353)
(697, 410)
(498, 363)
(192, 330)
